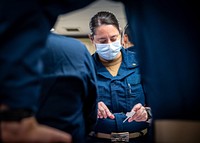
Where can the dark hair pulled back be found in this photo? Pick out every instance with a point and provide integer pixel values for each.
(103, 18)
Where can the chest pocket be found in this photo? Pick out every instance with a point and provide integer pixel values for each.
(134, 89)
(104, 94)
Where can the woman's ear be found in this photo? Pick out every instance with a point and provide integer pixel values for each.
(90, 37)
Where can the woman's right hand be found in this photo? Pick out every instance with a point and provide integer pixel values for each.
(103, 111)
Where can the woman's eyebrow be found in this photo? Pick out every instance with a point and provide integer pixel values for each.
(115, 35)
(102, 38)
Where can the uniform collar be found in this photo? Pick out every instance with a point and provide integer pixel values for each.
(129, 58)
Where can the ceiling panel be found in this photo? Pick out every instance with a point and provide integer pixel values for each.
(76, 23)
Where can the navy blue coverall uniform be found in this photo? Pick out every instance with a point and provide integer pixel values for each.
(120, 93)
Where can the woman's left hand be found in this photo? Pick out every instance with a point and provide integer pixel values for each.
(140, 113)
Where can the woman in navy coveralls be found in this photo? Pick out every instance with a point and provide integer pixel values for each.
(120, 88)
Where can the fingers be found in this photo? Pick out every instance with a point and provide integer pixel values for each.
(140, 113)
(51, 135)
(103, 111)
(28, 130)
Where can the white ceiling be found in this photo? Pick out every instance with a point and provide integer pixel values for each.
(79, 20)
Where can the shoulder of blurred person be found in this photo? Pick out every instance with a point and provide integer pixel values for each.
(168, 42)
(23, 34)
(69, 87)
(155, 24)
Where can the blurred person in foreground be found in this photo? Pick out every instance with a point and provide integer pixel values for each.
(24, 27)
(68, 95)
(167, 38)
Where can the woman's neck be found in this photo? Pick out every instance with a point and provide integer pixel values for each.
(113, 62)
(113, 65)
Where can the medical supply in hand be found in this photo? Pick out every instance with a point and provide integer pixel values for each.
(129, 115)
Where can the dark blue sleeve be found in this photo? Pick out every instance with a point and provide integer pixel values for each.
(68, 100)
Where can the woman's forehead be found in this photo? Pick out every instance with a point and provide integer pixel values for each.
(106, 30)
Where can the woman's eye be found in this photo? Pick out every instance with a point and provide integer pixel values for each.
(103, 42)
(113, 39)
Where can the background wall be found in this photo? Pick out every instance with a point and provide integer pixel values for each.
(88, 44)
(76, 23)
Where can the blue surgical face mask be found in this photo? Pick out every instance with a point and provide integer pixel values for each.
(109, 51)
